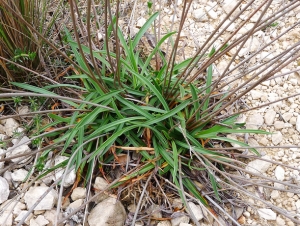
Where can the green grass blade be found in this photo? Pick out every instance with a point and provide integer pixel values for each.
(143, 30)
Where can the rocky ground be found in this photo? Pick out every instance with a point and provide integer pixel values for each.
(281, 118)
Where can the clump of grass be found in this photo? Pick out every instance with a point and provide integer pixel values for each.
(175, 123)
(22, 51)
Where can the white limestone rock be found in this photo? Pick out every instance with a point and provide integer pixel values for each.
(200, 15)
(4, 190)
(78, 193)
(39, 221)
(21, 215)
(298, 123)
(141, 22)
(197, 211)
(33, 195)
(259, 166)
(164, 223)
(23, 149)
(270, 117)
(277, 138)
(1, 157)
(108, 212)
(176, 221)
(254, 121)
(211, 13)
(279, 125)
(70, 177)
(279, 173)
(10, 126)
(255, 94)
(19, 175)
(100, 185)
(267, 214)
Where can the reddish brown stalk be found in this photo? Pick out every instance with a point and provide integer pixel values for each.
(89, 38)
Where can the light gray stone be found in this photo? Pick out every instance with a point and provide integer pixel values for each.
(108, 212)
(200, 15)
(197, 211)
(164, 223)
(50, 215)
(279, 173)
(267, 214)
(39, 221)
(255, 94)
(279, 125)
(78, 193)
(180, 219)
(10, 126)
(18, 150)
(259, 166)
(275, 194)
(21, 215)
(154, 211)
(100, 185)
(4, 190)
(19, 175)
(254, 121)
(298, 206)
(33, 195)
(228, 5)
(74, 205)
(298, 123)
(211, 13)
(276, 138)
(70, 177)
(270, 116)
(1, 157)
(287, 116)
(141, 22)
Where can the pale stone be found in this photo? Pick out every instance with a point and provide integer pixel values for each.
(33, 195)
(76, 204)
(78, 193)
(287, 116)
(4, 190)
(180, 219)
(21, 215)
(267, 214)
(270, 116)
(100, 185)
(200, 15)
(259, 166)
(41, 221)
(197, 211)
(276, 138)
(10, 126)
(154, 211)
(255, 94)
(18, 150)
(275, 194)
(141, 22)
(298, 206)
(211, 13)
(164, 223)
(19, 175)
(279, 173)
(254, 121)
(298, 123)
(108, 212)
(70, 176)
(279, 125)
